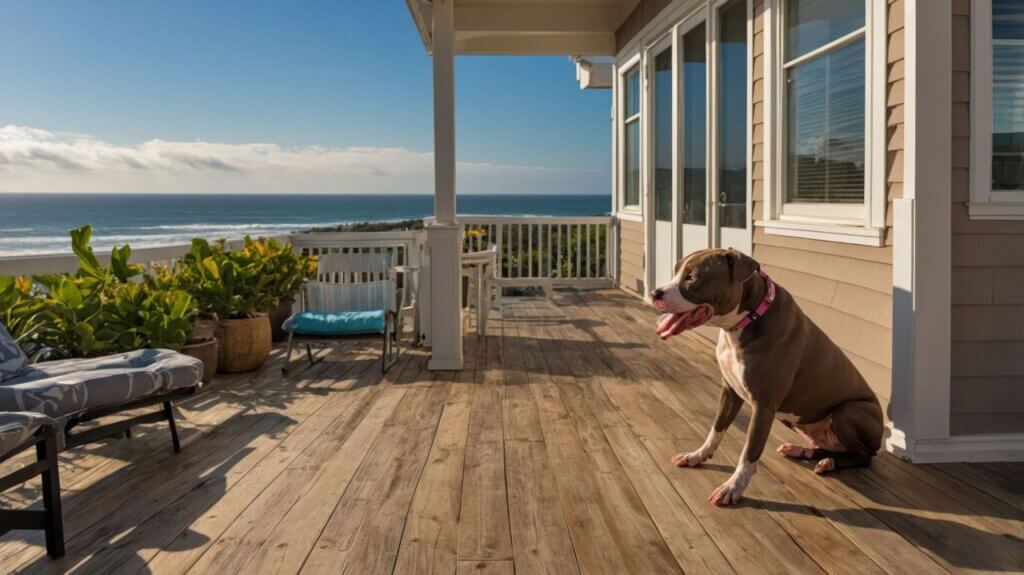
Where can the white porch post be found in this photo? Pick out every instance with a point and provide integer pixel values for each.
(443, 233)
(922, 260)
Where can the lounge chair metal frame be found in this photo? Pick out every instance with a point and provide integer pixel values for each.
(50, 518)
(123, 427)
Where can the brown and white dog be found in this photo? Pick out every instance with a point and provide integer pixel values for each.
(775, 359)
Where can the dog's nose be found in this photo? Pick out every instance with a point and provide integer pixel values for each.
(657, 293)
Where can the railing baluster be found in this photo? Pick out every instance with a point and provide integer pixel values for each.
(587, 271)
(519, 250)
(529, 250)
(579, 250)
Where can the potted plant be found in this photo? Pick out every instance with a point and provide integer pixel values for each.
(231, 287)
(200, 341)
(287, 271)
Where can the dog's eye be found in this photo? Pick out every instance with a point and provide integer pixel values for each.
(689, 277)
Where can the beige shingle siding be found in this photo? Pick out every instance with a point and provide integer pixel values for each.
(631, 256)
(987, 388)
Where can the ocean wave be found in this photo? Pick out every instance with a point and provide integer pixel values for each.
(239, 227)
(16, 230)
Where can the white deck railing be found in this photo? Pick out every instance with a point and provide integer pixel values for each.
(574, 251)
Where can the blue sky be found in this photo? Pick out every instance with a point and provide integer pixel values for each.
(103, 78)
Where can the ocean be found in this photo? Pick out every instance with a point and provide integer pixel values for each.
(38, 223)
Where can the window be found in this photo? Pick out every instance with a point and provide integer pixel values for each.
(824, 72)
(997, 74)
(825, 120)
(631, 130)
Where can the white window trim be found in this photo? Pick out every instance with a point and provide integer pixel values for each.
(622, 69)
(857, 224)
(986, 203)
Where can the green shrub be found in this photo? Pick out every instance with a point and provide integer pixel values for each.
(101, 309)
(96, 310)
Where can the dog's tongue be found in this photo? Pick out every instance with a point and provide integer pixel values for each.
(677, 323)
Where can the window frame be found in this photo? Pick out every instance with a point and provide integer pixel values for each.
(847, 223)
(985, 203)
(621, 121)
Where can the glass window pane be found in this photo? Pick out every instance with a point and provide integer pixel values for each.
(732, 115)
(632, 92)
(1008, 95)
(663, 136)
(825, 128)
(811, 24)
(633, 163)
(695, 111)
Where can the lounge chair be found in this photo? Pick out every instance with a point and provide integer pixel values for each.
(20, 431)
(74, 391)
(355, 296)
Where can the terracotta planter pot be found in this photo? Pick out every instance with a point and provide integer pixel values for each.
(205, 351)
(243, 344)
(278, 317)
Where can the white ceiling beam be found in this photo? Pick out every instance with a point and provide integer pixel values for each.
(546, 18)
(536, 44)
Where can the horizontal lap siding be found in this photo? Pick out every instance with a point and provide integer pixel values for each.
(631, 256)
(987, 387)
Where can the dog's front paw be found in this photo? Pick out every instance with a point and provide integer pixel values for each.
(728, 493)
(692, 459)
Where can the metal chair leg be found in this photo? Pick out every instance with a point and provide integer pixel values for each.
(288, 353)
(309, 355)
(169, 413)
(53, 526)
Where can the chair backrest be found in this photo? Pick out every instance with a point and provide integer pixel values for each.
(332, 297)
(353, 268)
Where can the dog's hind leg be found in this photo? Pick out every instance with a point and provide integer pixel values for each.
(858, 426)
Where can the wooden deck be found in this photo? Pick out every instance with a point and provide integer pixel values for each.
(549, 453)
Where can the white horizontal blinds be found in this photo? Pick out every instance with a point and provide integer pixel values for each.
(694, 126)
(825, 71)
(631, 113)
(1008, 95)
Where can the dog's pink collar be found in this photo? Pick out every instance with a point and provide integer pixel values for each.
(766, 302)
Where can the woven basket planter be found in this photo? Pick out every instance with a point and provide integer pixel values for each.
(243, 344)
(205, 351)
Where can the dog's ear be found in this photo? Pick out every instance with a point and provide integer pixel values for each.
(742, 265)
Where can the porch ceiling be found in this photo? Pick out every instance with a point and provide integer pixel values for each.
(530, 27)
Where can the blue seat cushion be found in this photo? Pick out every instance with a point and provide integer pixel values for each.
(341, 323)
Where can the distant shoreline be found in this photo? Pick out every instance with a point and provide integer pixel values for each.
(39, 224)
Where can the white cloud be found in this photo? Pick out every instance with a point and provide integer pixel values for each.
(36, 161)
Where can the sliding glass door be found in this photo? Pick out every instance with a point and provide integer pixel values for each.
(713, 86)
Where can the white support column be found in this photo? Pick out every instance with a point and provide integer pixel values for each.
(922, 260)
(443, 234)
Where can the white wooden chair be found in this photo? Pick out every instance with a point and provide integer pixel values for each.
(480, 268)
(353, 284)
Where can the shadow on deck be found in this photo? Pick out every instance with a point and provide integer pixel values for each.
(549, 452)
